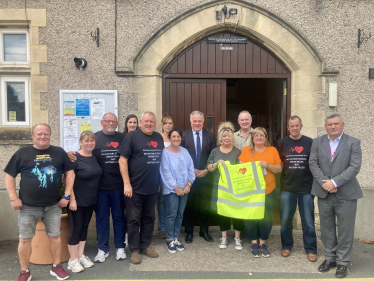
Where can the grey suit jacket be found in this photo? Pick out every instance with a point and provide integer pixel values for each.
(343, 169)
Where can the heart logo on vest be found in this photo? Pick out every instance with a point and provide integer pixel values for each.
(242, 170)
(298, 149)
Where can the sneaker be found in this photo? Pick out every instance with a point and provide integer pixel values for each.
(238, 244)
(120, 254)
(264, 250)
(171, 247)
(24, 276)
(75, 266)
(86, 262)
(101, 255)
(59, 272)
(224, 243)
(178, 245)
(254, 251)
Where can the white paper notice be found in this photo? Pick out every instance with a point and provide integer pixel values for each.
(71, 145)
(70, 127)
(97, 108)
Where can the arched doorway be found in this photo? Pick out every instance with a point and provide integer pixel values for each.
(221, 83)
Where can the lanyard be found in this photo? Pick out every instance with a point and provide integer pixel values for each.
(332, 154)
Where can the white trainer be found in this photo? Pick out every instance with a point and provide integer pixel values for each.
(120, 254)
(75, 266)
(238, 244)
(85, 262)
(224, 243)
(101, 255)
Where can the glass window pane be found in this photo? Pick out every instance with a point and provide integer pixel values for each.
(210, 123)
(15, 47)
(16, 101)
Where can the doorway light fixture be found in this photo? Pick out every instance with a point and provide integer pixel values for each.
(227, 13)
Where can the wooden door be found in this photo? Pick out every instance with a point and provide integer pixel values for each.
(182, 96)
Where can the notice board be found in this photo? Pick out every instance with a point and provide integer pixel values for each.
(82, 110)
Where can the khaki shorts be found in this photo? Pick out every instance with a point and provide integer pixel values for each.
(29, 216)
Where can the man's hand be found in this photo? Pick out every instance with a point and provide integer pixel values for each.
(72, 156)
(17, 204)
(128, 190)
(202, 173)
(63, 202)
(197, 173)
(73, 205)
(178, 191)
(329, 186)
(187, 189)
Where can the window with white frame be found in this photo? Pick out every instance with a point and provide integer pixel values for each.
(15, 103)
(14, 46)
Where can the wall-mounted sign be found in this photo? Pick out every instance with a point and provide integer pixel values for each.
(227, 40)
(226, 48)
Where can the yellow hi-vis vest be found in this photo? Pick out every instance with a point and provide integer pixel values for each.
(241, 191)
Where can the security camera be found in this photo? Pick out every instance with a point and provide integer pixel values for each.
(80, 63)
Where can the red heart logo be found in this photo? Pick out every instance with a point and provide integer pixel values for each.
(242, 170)
(298, 149)
(115, 144)
(154, 144)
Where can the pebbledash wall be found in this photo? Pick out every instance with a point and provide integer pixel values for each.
(316, 40)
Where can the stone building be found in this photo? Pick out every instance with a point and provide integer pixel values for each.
(301, 57)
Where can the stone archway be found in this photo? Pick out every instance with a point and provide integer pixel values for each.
(261, 26)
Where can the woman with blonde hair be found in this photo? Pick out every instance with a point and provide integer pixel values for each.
(226, 151)
(260, 150)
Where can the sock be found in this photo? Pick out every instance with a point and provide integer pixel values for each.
(54, 265)
(27, 270)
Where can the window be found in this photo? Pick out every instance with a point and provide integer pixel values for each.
(14, 47)
(15, 101)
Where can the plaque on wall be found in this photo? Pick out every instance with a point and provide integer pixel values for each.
(227, 40)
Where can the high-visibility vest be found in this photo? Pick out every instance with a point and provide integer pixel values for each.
(241, 191)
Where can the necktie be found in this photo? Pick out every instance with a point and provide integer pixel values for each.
(198, 149)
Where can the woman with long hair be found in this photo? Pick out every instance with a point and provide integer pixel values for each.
(131, 123)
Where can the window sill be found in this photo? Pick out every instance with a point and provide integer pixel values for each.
(15, 70)
(15, 137)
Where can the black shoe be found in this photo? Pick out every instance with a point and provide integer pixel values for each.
(206, 236)
(326, 265)
(341, 271)
(189, 237)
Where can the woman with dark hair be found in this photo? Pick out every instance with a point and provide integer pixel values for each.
(177, 175)
(131, 123)
(261, 150)
(166, 124)
(82, 201)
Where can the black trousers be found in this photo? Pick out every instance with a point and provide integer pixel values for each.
(200, 196)
(140, 214)
(79, 221)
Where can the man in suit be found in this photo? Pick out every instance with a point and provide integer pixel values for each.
(335, 161)
(199, 143)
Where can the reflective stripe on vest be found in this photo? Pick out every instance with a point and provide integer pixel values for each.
(244, 205)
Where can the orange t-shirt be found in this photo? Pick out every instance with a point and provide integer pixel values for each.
(270, 155)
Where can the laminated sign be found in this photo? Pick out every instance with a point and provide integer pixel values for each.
(241, 191)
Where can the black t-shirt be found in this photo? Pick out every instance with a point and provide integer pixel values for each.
(87, 180)
(106, 154)
(144, 155)
(296, 176)
(41, 174)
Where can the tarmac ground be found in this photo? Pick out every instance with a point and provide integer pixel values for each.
(203, 261)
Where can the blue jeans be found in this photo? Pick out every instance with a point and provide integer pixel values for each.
(175, 206)
(161, 209)
(288, 201)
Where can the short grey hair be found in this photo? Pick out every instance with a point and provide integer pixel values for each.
(41, 123)
(333, 116)
(150, 113)
(294, 117)
(196, 112)
(108, 113)
(244, 111)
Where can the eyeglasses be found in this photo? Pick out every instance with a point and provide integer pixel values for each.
(258, 136)
(110, 121)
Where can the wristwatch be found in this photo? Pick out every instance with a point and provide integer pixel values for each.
(66, 196)
(213, 166)
(206, 168)
(190, 184)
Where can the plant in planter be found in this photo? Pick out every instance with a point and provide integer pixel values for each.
(40, 243)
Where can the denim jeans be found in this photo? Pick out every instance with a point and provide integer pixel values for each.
(161, 209)
(288, 201)
(175, 206)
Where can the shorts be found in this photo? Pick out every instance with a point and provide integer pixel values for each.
(29, 216)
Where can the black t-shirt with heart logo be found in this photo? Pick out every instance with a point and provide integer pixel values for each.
(296, 176)
(106, 154)
(144, 155)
